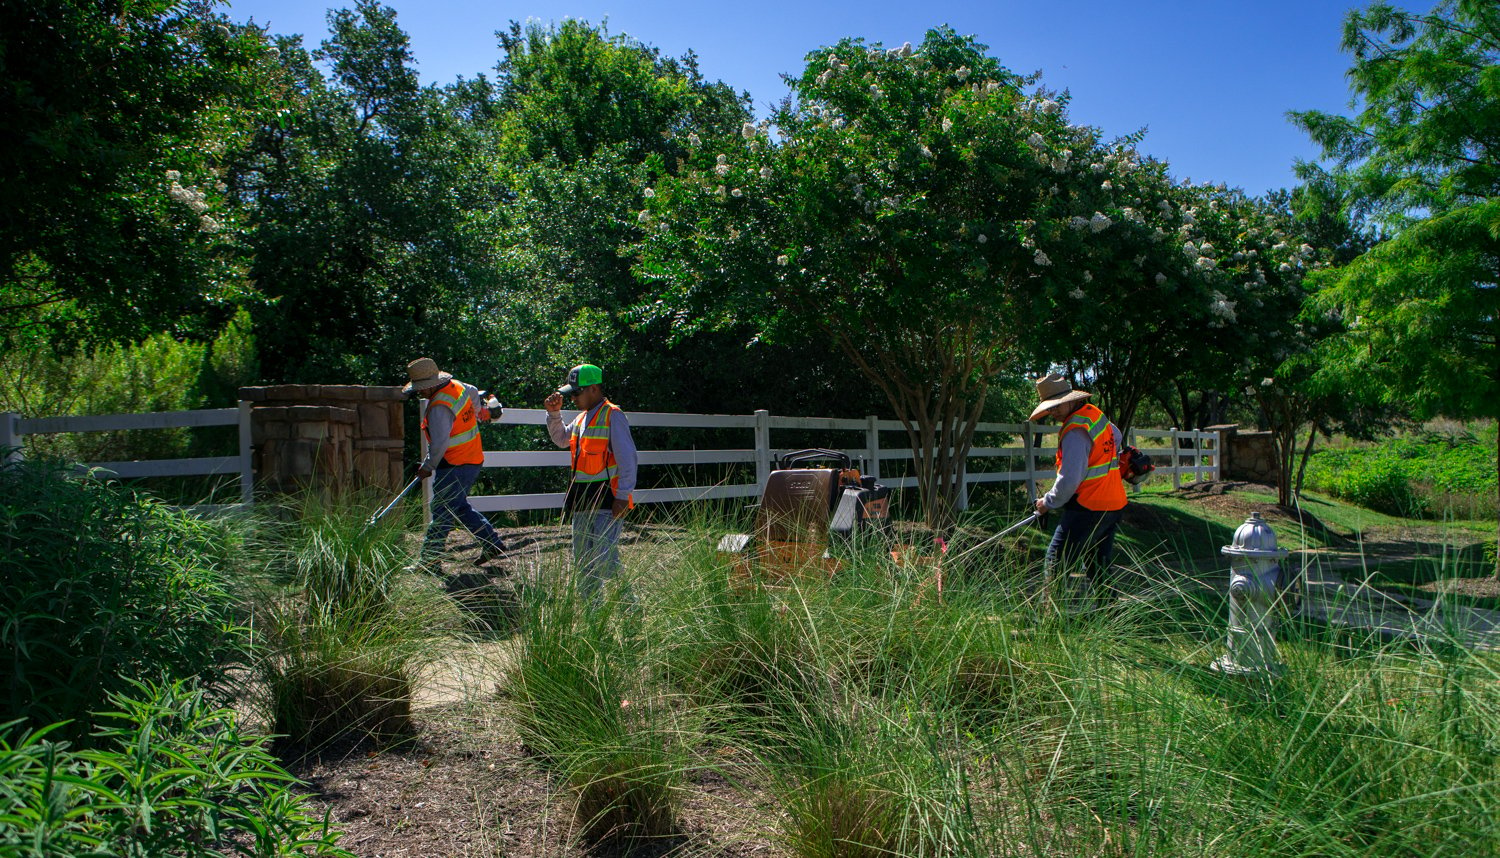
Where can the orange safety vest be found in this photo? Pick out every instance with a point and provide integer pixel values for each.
(464, 447)
(1102, 490)
(593, 458)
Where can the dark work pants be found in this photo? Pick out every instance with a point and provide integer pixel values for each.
(1084, 538)
(450, 503)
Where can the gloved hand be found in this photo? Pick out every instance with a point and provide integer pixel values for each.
(424, 473)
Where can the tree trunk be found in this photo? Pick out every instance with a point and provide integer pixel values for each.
(937, 388)
(1312, 436)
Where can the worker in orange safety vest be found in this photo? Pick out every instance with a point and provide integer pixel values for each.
(454, 457)
(1088, 490)
(602, 458)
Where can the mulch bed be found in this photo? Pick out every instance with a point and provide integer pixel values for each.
(465, 786)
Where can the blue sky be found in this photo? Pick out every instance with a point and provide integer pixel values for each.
(1211, 80)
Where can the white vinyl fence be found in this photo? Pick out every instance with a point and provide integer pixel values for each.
(14, 428)
(1178, 455)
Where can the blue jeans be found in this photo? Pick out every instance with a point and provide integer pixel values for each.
(1084, 538)
(596, 549)
(450, 503)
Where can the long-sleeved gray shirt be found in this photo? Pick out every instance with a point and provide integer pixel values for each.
(620, 443)
(1075, 460)
(440, 426)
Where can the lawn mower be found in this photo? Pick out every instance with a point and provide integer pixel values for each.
(803, 512)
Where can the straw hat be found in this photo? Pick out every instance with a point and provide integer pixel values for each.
(1054, 390)
(424, 373)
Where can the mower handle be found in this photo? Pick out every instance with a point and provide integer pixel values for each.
(812, 454)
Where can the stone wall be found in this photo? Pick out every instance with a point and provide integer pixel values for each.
(336, 436)
(1248, 456)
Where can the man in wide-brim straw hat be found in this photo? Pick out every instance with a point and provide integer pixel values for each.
(1088, 489)
(454, 457)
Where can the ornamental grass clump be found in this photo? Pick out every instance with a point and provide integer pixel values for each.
(102, 585)
(342, 629)
(579, 692)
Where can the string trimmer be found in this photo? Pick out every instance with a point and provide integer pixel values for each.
(395, 500)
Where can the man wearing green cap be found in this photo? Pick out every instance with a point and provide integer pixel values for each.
(603, 469)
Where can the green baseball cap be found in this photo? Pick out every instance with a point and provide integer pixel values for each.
(581, 376)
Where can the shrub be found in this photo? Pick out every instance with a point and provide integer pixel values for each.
(102, 586)
(1378, 484)
(1445, 469)
(169, 774)
(157, 374)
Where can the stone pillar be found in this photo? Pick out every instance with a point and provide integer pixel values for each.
(334, 436)
(1248, 456)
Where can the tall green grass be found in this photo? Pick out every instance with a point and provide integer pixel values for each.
(882, 720)
(341, 628)
(581, 700)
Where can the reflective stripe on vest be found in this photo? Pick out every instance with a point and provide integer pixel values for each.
(464, 446)
(593, 457)
(1102, 490)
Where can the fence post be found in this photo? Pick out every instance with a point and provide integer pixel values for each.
(247, 461)
(1198, 439)
(1176, 461)
(963, 485)
(427, 483)
(872, 446)
(1026, 434)
(762, 447)
(10, 435)
(1217, 471)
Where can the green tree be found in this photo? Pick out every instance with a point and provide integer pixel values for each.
(1421, 161)
(584, 120)
(900, 216)
(362, 196)
(114, 219)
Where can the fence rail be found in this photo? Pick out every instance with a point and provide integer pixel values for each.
(1179, 454)
(14, 428)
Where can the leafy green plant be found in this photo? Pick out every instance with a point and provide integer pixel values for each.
(1441, 470)
(102, 585)
(169, 774)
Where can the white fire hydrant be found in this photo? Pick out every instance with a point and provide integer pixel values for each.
(1254, 571)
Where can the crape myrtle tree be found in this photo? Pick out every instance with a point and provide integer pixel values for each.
(1162, 286)
(1297, 382)
(1421, 161)
(894, 212)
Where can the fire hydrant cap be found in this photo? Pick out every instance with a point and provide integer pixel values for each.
(1254, 538)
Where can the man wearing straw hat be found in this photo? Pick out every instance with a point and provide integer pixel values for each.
(603, 458)
(1088, 488)
(454, 457)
